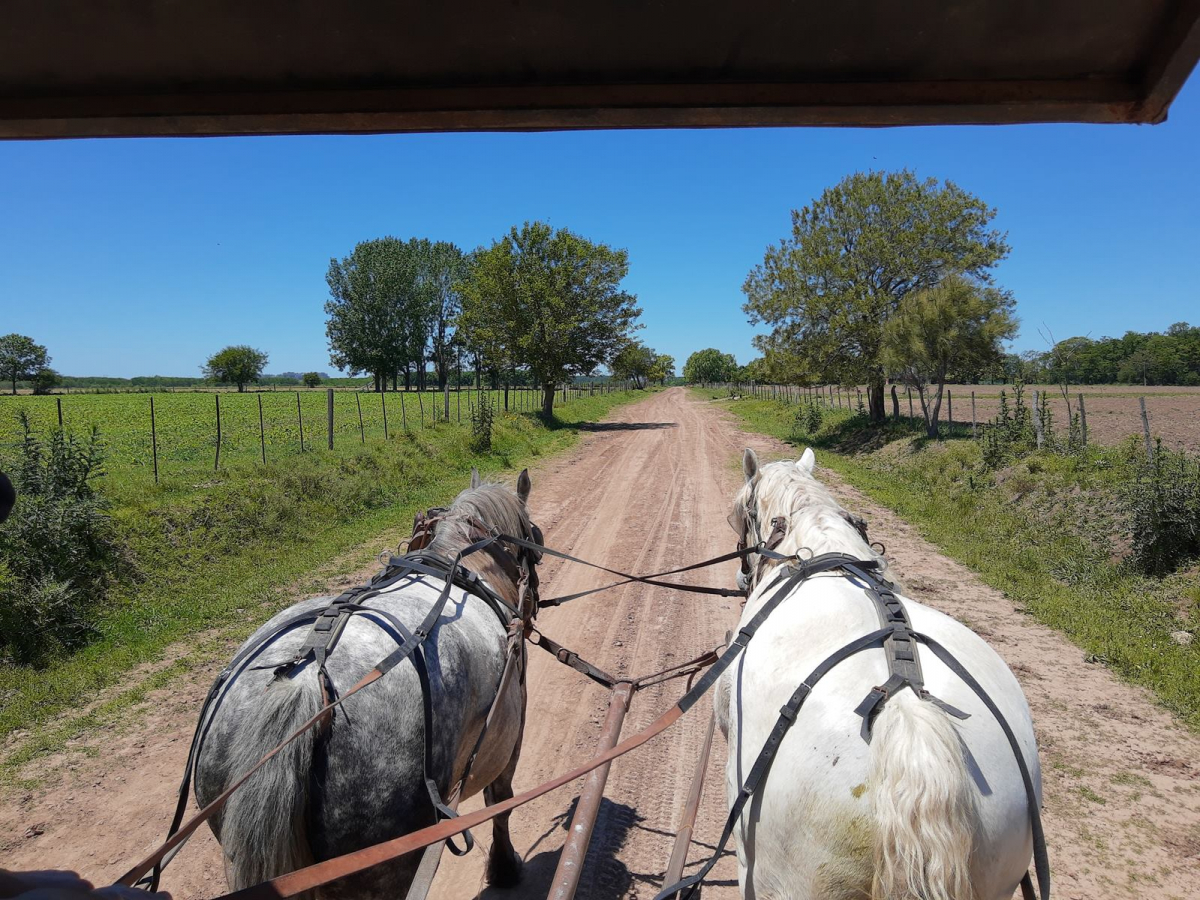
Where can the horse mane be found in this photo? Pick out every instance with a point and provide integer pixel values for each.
(492, 503)
(816, 522)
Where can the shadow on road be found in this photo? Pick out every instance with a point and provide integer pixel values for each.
(624, 426)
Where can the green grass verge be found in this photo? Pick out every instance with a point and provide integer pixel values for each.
(1042, 531)
(218, 555)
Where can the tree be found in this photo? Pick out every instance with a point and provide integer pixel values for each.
(664, 368)
(377, 313)
(311, 379)
(635, 362)
(957, 323)
(709, 365)
(446, 269)
(45, 380)
(21, 358)
(549, 300)
(239, 364)
(829, 288)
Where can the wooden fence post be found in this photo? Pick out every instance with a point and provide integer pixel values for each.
(974, 427)
(383, 404)
(446, 398)
(217, 460)
(362, 432)
(910, 409)
(1146, 429)
(949, 410)
(300, 420)
(1082, 421)
(262, 431)
(153, 434)
(329, 413)
(895, 403)
(58, 402)
(421, 404)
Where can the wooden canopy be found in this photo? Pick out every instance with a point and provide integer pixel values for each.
(79, 68)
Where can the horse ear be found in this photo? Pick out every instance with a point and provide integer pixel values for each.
(807, 460)
(474, 477)
(750, 464)
(523, 485)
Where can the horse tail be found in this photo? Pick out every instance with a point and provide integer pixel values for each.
(263, 831)
(923, 803)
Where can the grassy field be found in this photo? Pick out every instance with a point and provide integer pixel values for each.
(1049, 530)
(219, 552)
(185, 424)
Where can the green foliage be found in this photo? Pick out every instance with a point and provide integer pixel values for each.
(663, 368)
(1164, 509)
(1169, 357)
(957, 324)
(21, 358)
(483, 414)
(311, 379)
(637, 363)
(548, 300)
(828, 289)
(240, 364)
(708, 366)
(809, 418)
(59, 552)
(46, 380)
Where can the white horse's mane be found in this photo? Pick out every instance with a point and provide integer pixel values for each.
(816, 522)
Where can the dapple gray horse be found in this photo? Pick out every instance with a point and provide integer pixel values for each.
(360, 781)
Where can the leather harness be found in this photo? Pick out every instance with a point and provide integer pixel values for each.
(328, 624)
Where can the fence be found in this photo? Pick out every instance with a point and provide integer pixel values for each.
(1120, 414)
(175, 433)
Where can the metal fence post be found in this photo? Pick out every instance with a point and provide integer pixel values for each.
(153, 434)
(329, 413)
(300, 421)
(1082, 421)
(217, 460)
(262, 431)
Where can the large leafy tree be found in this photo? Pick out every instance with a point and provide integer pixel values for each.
(376, 309)
(548, 300)
(21, 358)
(446, 267)
(954, 325)
(635, 362)
(664, 368)
(709, 365)
(828, 289)
(239, 364)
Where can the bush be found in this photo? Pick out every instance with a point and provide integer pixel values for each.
(312, 379)
(808, 419)
(1163, 503)
(481, 424)
(59, 552)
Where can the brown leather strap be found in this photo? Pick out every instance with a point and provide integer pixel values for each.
(330, 870)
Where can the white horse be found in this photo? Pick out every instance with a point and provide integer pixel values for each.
(933, 807)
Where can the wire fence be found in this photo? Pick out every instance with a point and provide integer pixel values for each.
(174, 433)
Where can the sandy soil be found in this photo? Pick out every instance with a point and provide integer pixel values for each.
(647, 490)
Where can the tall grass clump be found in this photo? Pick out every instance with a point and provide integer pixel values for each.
(60, 552)
(1163, 502)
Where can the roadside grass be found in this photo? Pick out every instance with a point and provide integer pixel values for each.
(1046, 530)
(217, 555)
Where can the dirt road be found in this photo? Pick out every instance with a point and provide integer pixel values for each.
(647, 490)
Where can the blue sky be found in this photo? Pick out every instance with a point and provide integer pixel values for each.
(142, 257)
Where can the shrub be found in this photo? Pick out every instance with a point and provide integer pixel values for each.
(1163, 503)
(481, 424)
(59, 552)
(808, 419)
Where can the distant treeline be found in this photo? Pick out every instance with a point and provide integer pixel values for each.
(1171, 357)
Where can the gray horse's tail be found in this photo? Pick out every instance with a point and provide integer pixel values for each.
(263, 830)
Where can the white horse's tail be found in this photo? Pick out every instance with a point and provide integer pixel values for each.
(263, 830)
(923, 801)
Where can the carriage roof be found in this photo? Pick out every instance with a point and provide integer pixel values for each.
(109, 67)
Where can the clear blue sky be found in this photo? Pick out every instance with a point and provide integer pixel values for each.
(142, 256)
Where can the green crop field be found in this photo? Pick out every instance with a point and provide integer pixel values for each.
(185, 424)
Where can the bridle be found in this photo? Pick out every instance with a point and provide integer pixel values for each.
(748, 526)
(518, 563)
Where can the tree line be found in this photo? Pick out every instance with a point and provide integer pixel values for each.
(538, 306)
(1168, 357)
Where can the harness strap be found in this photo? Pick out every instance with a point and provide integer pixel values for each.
(1041, 857)
(766, 756)
(904, 663)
